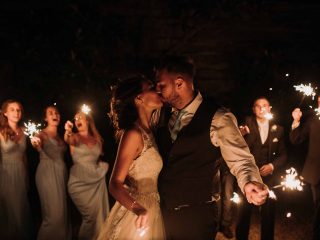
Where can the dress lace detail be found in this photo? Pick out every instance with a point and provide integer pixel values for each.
(142, 184)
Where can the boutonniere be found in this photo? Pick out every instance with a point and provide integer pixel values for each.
(275, 140)
(274, 128)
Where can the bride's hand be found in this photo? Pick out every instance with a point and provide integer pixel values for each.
(142, 221)
(104, 165)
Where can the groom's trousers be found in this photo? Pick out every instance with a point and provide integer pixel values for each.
(194, 222)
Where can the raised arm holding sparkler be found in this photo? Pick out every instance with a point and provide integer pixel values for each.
(87, 185)
(51, 178)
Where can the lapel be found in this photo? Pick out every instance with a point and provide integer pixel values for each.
(256, 132)
(271, 136)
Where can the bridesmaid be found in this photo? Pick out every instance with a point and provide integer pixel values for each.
(87, 183)
(51, 179)
(14, 206)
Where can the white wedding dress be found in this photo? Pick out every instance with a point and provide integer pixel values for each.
(142, 185)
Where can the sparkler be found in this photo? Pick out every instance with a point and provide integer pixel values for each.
(291, 181)
(235, 198)
(85, 109)
(142, 231)
(317, 110)
(31, 128)
(307, 90)
(267, 115)
(272, 195)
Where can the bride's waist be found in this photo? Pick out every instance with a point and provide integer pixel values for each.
(145, 195)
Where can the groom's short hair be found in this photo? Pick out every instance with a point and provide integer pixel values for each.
(177, 64)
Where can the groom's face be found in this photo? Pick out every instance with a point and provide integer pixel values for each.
(166, 86)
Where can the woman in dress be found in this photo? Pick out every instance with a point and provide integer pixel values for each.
(133, 183)
(51, 179)
(14, 206)
(87, 183)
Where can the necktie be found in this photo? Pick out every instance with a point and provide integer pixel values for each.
(175, 123)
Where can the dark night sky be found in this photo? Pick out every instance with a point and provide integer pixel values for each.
(70, 53)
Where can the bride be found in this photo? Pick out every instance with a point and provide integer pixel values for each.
(133, 183)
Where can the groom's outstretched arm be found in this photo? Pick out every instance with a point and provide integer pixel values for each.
(224, 133)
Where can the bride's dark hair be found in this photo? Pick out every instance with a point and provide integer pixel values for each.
(123, 112)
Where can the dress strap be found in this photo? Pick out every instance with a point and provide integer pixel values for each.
(146, 137)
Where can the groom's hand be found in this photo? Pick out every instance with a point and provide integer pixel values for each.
(256, 193)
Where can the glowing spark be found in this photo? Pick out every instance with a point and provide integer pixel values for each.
(235, 198)
(31, 129)
(85, 109)
(307, 90)
(291, 181)
(268, 116)
(142, 231)
(287, 74)
(288, 215)
(272, 195)
(317, 111)
(270, 89)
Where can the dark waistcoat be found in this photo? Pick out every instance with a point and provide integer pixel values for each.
(190, 162)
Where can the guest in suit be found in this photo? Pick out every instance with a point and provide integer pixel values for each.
(192, 134)
(310, 131)
(266, 142)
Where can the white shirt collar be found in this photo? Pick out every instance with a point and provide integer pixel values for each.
(193, 106)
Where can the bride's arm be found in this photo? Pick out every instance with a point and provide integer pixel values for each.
(130, 146)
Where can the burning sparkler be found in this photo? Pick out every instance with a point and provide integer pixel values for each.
(307, 90)
(291, 181)
(317, 111)
(235, 198)
(272, 195)
(142, 231)
(31, 128)
(85, 109)
(268, 116)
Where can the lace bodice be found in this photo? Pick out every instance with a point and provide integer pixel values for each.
(84, 154)
(52, 149)
(143, 172)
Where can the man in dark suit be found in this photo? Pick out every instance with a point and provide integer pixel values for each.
(310, 131)
(191, 136)
(266, 142)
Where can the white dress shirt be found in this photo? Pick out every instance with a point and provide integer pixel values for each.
(263, 130)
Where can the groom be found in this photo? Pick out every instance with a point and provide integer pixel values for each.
(192, 135)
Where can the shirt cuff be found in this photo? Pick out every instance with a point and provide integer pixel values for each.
(271, 165)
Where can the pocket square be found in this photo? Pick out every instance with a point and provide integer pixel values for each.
(275, 140)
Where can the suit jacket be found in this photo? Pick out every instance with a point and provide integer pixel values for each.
(277, 154)
(309, 131)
